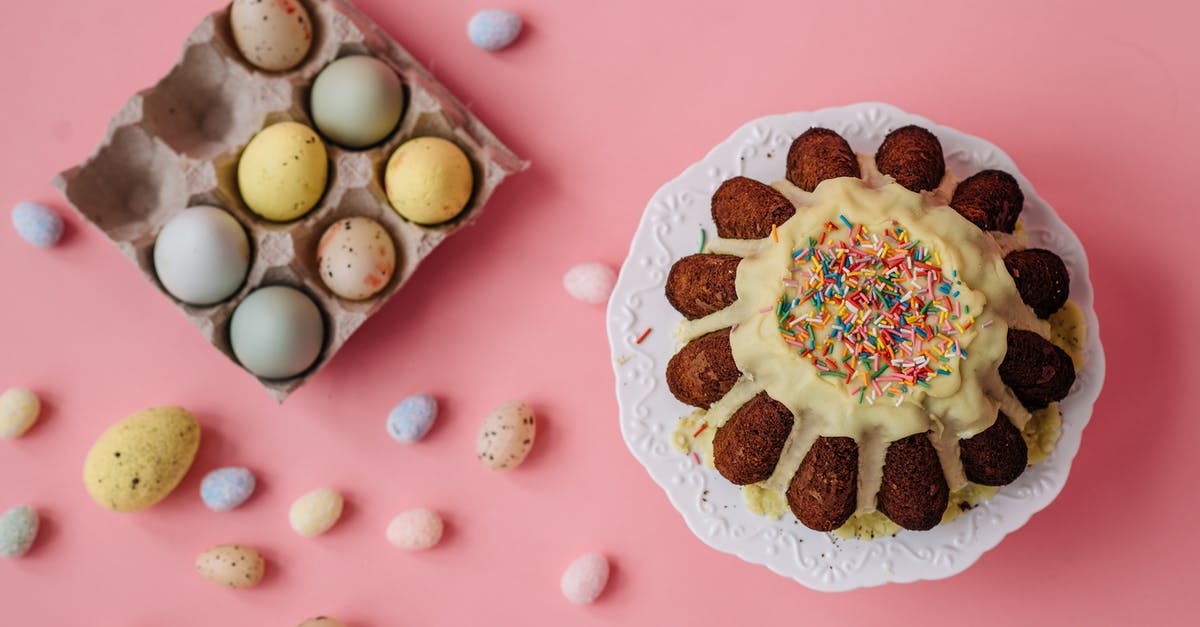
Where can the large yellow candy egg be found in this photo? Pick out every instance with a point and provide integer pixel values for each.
(429, 180)
(282, 172)
(139, 461)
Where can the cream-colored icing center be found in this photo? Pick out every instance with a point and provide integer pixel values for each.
(955, 405)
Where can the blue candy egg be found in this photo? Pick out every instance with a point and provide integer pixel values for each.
(225, 488)
(37, 224)
(493, 29)
(412, 418)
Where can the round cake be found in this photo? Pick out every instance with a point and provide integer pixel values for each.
(870, 335)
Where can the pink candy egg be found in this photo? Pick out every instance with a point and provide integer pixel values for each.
(585, 578)
(415, 530)
(590, 282)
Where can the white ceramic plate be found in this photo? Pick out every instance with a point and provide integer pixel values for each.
(712, 507)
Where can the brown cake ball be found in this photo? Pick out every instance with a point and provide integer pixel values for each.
(995, 456)
(704, 370)
(699, 285)
(743, 208)
(914, 492)
(913, 156)
(991, 200)
(824, 491)
(1041, 278)
(1038, 372)
(747, 447)
(819, 154)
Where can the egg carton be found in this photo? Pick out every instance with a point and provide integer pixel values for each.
(177, 145)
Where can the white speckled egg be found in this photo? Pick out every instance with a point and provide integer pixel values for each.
(226, 488)
(506, 436)
(409, 421)
(585, 578)
(415, 530)
(18, 529)
(356, 258)
(19, 409)
(273, 35)
(276, 332)
(356, 101)
(232, 566)
(316, 512)
(590, 282)
(201, 255)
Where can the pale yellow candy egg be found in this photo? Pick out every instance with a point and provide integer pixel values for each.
(316, 512)
(19, 409)
(283, 171)
(429, 180)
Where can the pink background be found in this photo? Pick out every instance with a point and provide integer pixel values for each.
(1096, 101)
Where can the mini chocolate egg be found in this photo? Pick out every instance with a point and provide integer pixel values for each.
(18, 530)
(506, 436)
(276, 332)
(19, 409)
(585, 578)
(316, 512)
(415, 530)
(590, 282)
(201, 255)
(232, 566)
(493, 29)
(429, 180)
(274, 35)
(37, 224)
(282, 172)
(356, 258)
(322, 621)
(357, 101)
(409, 421)
(138, 461)
(225, 488)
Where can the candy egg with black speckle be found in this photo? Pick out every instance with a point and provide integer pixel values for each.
(273, 35)
(506, 436)
(232, 566)
(356, 258)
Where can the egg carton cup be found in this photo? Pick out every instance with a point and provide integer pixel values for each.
(177, 145)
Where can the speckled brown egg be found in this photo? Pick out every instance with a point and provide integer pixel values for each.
(506, 436)
(232, 566)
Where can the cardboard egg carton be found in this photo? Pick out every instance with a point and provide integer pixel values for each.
(177, 145)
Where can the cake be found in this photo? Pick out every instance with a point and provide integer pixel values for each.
(869, 336)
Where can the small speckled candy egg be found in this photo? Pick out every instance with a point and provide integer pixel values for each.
(19, 409)
(37, 224)
(201, 255)
(585, 578)
(282, 172)
(273, 35)
(18, 530)
(232, 566)
(276, 332)
(415, 530)
(322, 621)
(429, 180)
(590, 282)
(493, 29)
(316, 512)
(357, 101)
(225, 488)
(412, 418)
(138, 461)
(506, 436)
(356, 258)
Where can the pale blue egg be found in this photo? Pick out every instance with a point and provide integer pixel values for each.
(412, 418)
(493, 29)
(18, 530)
(225, 488)
(37, 224)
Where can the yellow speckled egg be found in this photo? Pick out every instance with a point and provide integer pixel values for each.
(316, 512)
(139, 461)
(429, 180)
(232, 566)
(282, 172)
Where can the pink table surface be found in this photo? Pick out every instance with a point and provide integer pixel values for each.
(1096, 101)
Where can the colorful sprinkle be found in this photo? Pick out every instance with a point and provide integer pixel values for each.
(700, 430)
(703, 239)
(643, 336)
(882, 299)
